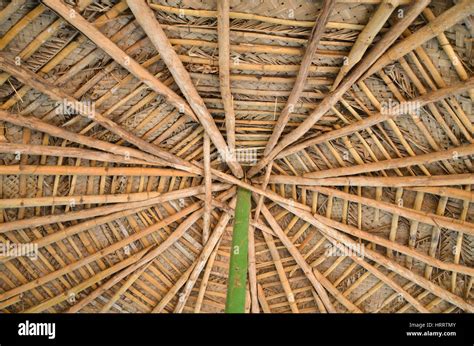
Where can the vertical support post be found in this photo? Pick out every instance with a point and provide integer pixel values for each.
(237, 285)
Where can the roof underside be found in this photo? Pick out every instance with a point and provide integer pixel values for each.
(107, 178)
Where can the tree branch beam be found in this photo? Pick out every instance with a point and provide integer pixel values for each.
(333, 97)
(303, 72)
(146, 18)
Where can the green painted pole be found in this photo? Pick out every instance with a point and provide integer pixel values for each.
(237, 285)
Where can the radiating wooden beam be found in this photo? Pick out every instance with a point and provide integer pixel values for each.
(103, 42)
(330, 100)
(455, 153)
(98, 211)
(29, 78)
(224, 70)
(303, 72)
(424, 217)
(49, 201)
(150, 256)
(55, 131)
(411, 106)
(311, 273)
(378, 258)
(146, 18)
(366, 37)
(436, 180)
(444, 21)
(86, 154)
(92, 171)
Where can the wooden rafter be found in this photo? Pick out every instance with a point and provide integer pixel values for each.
(224, 70)
(366, 37)
(152, 28)
(450, 17)
(412, 12)
(303, 72)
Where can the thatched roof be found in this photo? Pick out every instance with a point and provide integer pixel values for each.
(125, 132)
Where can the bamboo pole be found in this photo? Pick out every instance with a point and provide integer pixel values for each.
(147, 20)
(450, 154)
(21, 24)
(330, 100)
(11, 8)
(256, 48)
(303, 72)
(244, 66)
(77, 200)
(465, 195)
